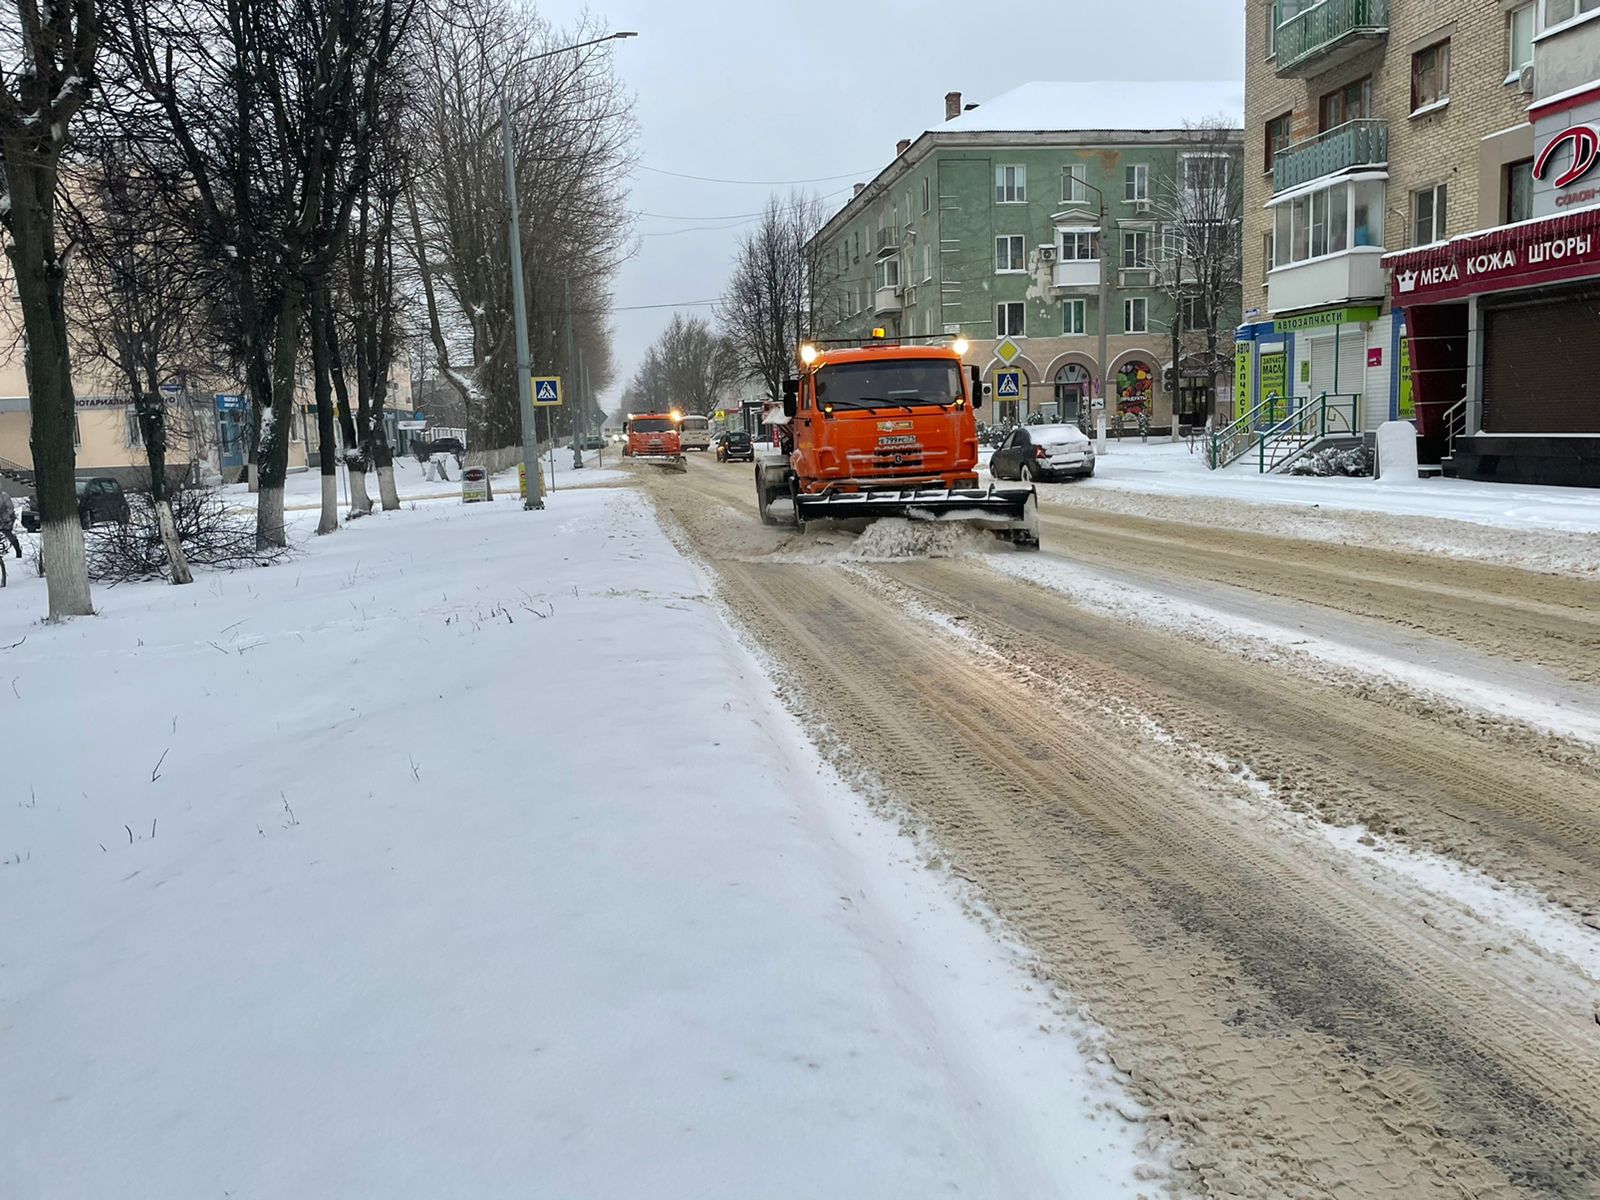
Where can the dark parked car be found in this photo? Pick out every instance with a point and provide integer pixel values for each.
(735, 446)
(100, 502)
(1043, 452)
(445, 445)
(593, 442)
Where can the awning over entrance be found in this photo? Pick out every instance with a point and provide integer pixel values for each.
(1527, 254)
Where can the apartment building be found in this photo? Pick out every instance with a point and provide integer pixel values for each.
(1506, 318)
(1371, 126)
(993, 225)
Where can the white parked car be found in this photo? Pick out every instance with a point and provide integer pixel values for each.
(1038, 452)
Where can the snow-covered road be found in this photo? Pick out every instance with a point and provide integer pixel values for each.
(468, 854)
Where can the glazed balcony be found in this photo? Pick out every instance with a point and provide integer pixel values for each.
(1324, 34)
(1363, 143)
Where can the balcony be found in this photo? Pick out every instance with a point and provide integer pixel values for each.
(888, 239)
(1363, 143)
(1355, 274)
(1324, 34)
(1077, 274)
(887, 300)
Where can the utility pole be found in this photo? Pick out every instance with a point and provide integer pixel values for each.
(1105, 367)
(571, 376)
(530, 434)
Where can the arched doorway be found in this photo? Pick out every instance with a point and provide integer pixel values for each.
(1072, 394)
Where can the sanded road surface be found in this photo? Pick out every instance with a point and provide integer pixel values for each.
(1135, 804)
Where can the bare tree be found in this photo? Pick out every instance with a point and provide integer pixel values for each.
(269, 104)
(46, 71)
(767, 307)
(688, 367)
(140, 286)
(572, 132)
(1201, 208)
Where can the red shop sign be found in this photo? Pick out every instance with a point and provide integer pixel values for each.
(1549, 250)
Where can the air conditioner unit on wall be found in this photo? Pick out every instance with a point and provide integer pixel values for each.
(1525, 80)
(1047, 254)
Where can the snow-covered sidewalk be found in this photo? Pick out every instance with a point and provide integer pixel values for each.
(468, 854)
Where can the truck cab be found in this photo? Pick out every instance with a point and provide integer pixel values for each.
(651, 435)
(885, 416)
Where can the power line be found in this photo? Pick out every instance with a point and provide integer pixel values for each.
(729, 216)
(673, 304)
(754, 182)
(698, 229)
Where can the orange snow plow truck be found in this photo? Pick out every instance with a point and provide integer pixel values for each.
(886, 429)
(653, 438)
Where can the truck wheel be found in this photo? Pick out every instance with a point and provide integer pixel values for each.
(762, 499)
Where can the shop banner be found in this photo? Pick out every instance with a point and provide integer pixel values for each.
(1274, 374)
(1523, 255)
(1407, 407)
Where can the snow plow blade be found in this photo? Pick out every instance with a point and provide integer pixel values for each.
(1012, 514)
(667, 462)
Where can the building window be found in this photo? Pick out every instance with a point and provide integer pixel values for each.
(1266, 252)
(1011, 185)
(1329, 220)
(1073, 314)
(1558, 12)
(1173, 244)
(1079, 245)
(1430, 77)
(1009, 255)
(1518, 191)
(1136, 183)
(855, 239)
(130, 416)
(1008, 319)
(1279, 131)
(1135, 249)
(1073, 190)
(1428, 215)
(1192, 311)
(1136, 315)
(927, 193)
(1272, 29)
(1519, 25)
(1352, 102)
(927, 261)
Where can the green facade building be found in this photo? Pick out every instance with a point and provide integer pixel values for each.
(990, 226)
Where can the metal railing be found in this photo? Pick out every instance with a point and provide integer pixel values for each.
(1280, 427)
(1360, 143)
(1308, 422)
(1321, 26)
(1455, 425)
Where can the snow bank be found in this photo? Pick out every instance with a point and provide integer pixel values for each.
(468, 855)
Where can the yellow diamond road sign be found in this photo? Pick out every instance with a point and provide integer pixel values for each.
(1007, 350)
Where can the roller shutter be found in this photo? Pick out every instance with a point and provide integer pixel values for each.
(1541, 364)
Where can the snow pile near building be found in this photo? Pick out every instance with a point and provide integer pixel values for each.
(467, 854)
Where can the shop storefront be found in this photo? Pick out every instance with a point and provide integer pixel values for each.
(1341, 352)
(1504, 333)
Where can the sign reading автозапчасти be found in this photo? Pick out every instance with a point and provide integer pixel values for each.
(1548, 251)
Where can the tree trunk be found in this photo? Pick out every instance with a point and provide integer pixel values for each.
(351, 425)
(273, 455)
(176, 559)
(38, 275)
(252, 464)
(153, 430)
(327, 443)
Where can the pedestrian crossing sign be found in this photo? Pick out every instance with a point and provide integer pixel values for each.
(547, 390)
(1008, 384)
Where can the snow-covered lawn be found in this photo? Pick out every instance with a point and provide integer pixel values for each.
(468, 854)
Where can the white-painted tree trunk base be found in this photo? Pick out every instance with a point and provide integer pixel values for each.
(176, 560)
(270, 530)
(386, 489)
(253, 473)
(329, 521)
(360, 501)
(66, 570)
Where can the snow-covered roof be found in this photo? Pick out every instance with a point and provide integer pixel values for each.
(1111, 105)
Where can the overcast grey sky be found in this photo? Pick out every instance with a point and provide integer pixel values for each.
(778, 90)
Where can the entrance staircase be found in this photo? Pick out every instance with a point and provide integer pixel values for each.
(16, 472)
(1282, 429)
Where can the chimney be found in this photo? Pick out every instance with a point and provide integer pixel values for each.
(860, 187)
(902, 146)
(952, 105)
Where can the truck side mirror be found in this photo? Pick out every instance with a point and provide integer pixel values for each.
(977, 389)
(791, 396)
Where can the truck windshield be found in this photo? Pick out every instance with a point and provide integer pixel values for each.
(654, 425)
(891, 383)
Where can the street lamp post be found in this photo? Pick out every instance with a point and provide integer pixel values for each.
(1105, 367)
(519, 301)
